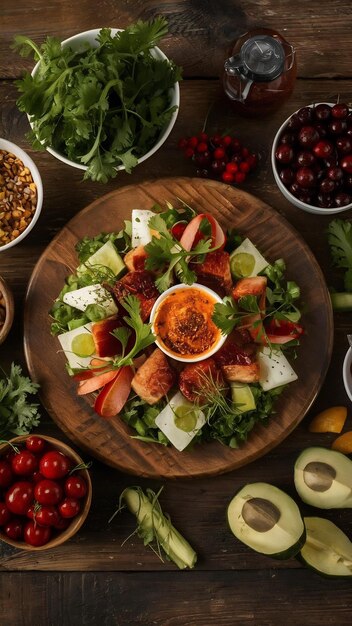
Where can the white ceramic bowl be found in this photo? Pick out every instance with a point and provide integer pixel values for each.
(162, 346)
(288, 195)
(27, 161)
(79, 42)
(347, 373)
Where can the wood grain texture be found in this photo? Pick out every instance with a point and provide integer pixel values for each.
(266, 598)
(201, 32)
(110, 440)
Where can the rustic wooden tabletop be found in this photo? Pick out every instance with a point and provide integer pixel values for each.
(94, 578)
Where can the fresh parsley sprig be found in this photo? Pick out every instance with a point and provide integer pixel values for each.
(166, 252)
(18, 416)
(340, 242)
(228, 314)
(104, 106)
(144, 336)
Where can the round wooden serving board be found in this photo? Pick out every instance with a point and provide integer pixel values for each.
(109, 440)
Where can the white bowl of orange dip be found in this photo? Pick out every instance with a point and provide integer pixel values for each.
(181, 321)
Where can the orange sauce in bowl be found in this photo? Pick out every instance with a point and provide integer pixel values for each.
(183, 323)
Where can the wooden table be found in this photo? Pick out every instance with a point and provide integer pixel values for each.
(94, 578)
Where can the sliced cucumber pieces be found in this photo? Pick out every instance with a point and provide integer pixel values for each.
(267, 520)
(106, 256)
(242, 397)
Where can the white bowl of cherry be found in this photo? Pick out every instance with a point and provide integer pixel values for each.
(311, 158)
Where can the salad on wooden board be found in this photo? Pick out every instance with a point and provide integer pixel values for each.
(178, 328)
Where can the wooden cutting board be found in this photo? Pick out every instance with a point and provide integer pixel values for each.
(109, 440)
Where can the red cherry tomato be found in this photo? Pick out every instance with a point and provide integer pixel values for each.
(14, 529)
(54, 465)
(62, 523)
(36, 535)
(46, 516)
(6, 475)
(19, 497)
(36, 477)
(35, 444)
(75, 487)
(5, 514)
(69, 507)
(24, 463)
(48, 492)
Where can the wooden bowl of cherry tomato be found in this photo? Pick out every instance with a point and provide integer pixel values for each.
(45, 492)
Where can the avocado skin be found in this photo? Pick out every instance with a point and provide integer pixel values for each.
(279, 556)
(290, 552)
(346, 504)
(300, 558)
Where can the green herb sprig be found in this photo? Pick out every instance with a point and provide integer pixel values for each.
(165, 251)
(144, 336)
(18, 415)
(102, 107)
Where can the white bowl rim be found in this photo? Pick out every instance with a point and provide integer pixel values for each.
(9, 146)
(346, 373)
(175, 101)
(310, 208)
(162, 297)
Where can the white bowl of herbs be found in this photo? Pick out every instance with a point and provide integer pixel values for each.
(103, 100)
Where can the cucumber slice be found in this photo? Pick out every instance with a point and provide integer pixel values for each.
(242, 264)
(341, 301)
(267, 520)
(83, 345)
(249, 261)
(243, 397)
(327, 549)
(323, 478)
(186, 418)
(106, 256)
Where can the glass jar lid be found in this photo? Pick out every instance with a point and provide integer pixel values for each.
(262, 58)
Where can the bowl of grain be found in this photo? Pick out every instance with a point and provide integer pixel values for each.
(21, 194)
(6, 309)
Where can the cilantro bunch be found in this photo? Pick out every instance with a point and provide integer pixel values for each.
(101, 107)
(17, 414)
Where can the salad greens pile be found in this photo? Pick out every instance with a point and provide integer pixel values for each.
(101, 107)
(18, 416)
(224, 421)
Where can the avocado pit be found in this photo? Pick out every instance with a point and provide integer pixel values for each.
(319, 476)
(260, 514)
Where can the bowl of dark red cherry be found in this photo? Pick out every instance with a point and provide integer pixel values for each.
(311, 158)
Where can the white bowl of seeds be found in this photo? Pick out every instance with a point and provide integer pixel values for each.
(21, 194)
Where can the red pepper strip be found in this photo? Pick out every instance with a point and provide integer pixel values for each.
(113, 397)
(178, 229)
(189, 237)
(96, 382)
(283, 331)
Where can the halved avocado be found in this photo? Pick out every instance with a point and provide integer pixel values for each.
(323, 478)
(327, 549)
(267, 520)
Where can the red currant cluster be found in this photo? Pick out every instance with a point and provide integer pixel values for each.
(221, 157)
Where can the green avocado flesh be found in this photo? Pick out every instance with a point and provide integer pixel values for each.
(327, 549)
(267, 520)
(323, 478)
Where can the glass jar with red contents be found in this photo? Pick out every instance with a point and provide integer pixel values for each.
(260, 73)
